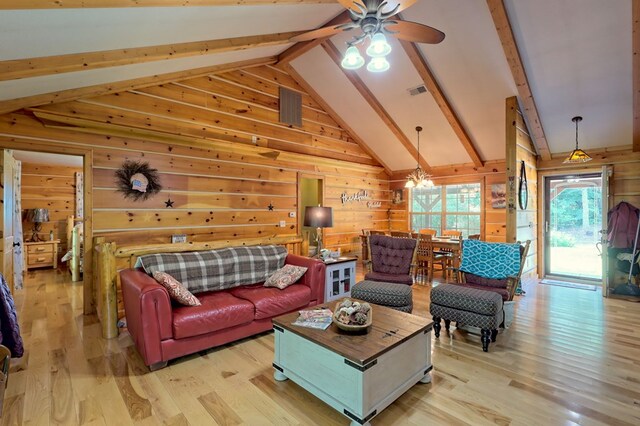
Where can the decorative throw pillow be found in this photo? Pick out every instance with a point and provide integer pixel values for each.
(176, 290)
(285, 276)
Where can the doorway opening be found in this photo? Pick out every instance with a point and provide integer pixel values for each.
(573, 220)
(310, 194)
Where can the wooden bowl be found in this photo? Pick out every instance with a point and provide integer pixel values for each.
(354, 327)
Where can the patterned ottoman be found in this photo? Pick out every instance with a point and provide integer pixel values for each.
(395, 296)
(468, 306)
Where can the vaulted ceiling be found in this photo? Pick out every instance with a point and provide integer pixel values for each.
(576, 55)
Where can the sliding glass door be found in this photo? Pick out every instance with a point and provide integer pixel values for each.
(573, 220)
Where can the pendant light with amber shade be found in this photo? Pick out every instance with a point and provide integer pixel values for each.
(577, 155)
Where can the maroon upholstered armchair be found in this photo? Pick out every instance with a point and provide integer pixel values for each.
(391, 259)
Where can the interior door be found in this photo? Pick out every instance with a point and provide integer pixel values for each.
(7, 164)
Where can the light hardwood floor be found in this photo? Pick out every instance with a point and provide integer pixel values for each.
(569, 358)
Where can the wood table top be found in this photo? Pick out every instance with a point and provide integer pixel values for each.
(389, 329)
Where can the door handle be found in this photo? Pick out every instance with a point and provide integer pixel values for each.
(546, 226)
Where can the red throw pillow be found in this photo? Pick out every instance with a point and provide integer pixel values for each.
(285, 276)
(177, 291)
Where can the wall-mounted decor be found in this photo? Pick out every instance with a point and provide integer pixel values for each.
(523, 191)
(499, 196)
(138, 181)
(397, 196)
(358, 196)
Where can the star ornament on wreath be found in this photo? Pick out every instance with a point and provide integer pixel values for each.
(137, 180)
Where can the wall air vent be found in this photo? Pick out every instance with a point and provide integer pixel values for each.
(290, 107)
(417, 90)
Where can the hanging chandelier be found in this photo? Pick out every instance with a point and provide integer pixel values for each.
(577, 155)
(418, 178)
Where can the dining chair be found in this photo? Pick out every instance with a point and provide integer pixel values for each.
(474, 237)
(428, 231)
(452, 233)
(401, 234)
(426, 259)
(452, 256)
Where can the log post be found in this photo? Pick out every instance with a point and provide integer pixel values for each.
(107, 289)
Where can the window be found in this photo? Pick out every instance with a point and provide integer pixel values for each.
(447, 207)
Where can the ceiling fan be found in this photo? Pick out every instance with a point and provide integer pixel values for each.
(375, 18)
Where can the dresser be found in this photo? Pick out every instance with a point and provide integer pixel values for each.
(42, 254)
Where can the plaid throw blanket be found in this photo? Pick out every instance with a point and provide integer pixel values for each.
(490, 260)
(217, 269)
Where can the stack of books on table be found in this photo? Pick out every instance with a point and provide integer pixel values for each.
(315, 318)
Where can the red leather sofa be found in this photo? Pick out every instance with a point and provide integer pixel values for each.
(163, 330)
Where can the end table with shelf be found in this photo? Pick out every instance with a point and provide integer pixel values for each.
(340, 277)
(42, 254)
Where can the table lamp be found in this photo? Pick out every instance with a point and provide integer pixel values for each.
(37, 216)
(318, 217)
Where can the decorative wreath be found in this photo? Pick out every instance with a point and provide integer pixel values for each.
(138, 181)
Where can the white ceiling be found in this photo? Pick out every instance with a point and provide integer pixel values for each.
(49, 159)
(577, 54)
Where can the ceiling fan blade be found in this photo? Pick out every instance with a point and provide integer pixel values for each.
(412, 31)
(349, 4)
(403, 4)
(319, 33)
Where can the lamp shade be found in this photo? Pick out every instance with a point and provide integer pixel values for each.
(318, 217)
(38, 215)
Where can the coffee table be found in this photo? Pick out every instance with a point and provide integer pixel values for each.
(357, 374)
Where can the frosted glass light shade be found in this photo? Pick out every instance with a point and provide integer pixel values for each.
(378, 65)
(379, 47)
(352, 59)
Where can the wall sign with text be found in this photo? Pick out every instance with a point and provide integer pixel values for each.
(361, 195)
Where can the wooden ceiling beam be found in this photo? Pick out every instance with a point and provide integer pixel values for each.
(48, 65)
(357, 82)
(529, 109)
(303, 47)
(420, 64)
(636, 73)
(336, 117)
(120, 86)
(86, 4)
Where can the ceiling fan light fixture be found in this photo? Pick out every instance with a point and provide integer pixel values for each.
(378, 65)
(379, 47)
(577, 155)
(352, 59)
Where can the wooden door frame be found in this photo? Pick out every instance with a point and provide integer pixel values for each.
(300, 213)
(87, 162)
(543, 177)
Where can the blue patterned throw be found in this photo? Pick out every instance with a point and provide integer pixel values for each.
(490, 260)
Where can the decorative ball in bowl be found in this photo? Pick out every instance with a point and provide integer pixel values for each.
(351, 315)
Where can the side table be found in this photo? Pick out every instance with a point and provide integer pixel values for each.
(42, 253)
(340, 278)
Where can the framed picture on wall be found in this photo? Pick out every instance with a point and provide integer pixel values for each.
(499, 196)
(397, 196)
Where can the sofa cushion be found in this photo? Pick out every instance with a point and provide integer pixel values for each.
(474, 279)
(389, 278)
(176, 290)
(218, 310)
(285, 276)
(270, 301)
(201, 271)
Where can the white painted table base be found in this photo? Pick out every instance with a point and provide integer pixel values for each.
(358, 392)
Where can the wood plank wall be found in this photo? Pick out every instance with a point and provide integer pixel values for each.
(222, 156)
(522, 224)
(51, 187)
(493, 221)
